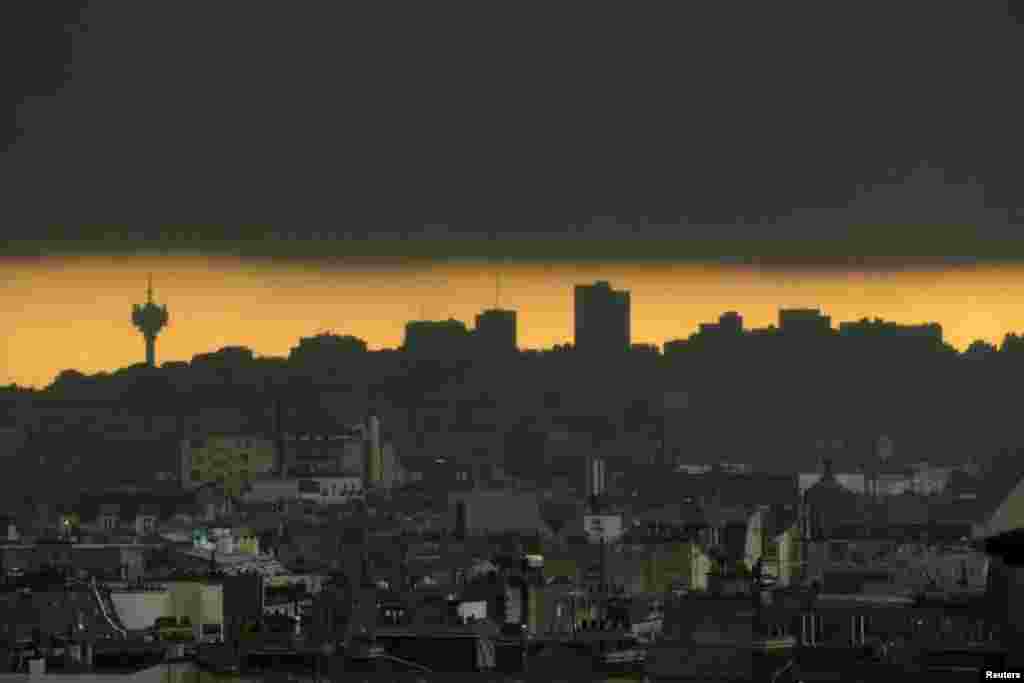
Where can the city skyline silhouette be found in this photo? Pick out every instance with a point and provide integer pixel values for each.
(268, 309)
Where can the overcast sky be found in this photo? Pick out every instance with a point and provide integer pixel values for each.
(387, 116)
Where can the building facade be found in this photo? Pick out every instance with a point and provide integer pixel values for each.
(602, 318)
(309, 454)
(436, 339)
(496, 331)
(328, 490)
(231, 459)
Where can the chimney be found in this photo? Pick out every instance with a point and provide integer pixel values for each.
(595, 477)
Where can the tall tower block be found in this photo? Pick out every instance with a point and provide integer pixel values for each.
(149, 318)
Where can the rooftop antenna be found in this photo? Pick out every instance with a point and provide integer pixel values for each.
(149, 289)
(497, 290)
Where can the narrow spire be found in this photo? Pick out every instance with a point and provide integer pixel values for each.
(497, 290)
(149, 289)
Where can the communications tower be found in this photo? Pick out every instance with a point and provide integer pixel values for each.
(149, 318)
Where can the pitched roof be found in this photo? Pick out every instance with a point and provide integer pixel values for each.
(1009, 515)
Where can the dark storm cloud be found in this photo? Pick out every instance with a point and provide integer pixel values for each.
(35, 47)
(343, 118)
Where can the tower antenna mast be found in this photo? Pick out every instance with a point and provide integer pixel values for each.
(150, 319)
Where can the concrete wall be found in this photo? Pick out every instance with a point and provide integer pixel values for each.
(139, 610)
(201, 602)
(788, 552)
(680, 563)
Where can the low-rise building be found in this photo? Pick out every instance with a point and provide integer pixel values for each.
(112, 560)
(331, 489)
(269, 488)
(325, 453)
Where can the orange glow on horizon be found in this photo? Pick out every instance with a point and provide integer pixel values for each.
(76, 312)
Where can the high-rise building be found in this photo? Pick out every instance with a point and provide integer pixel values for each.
(804, 321)
(730, 324)
(602, 318)
(436, 339)
(496, 331)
